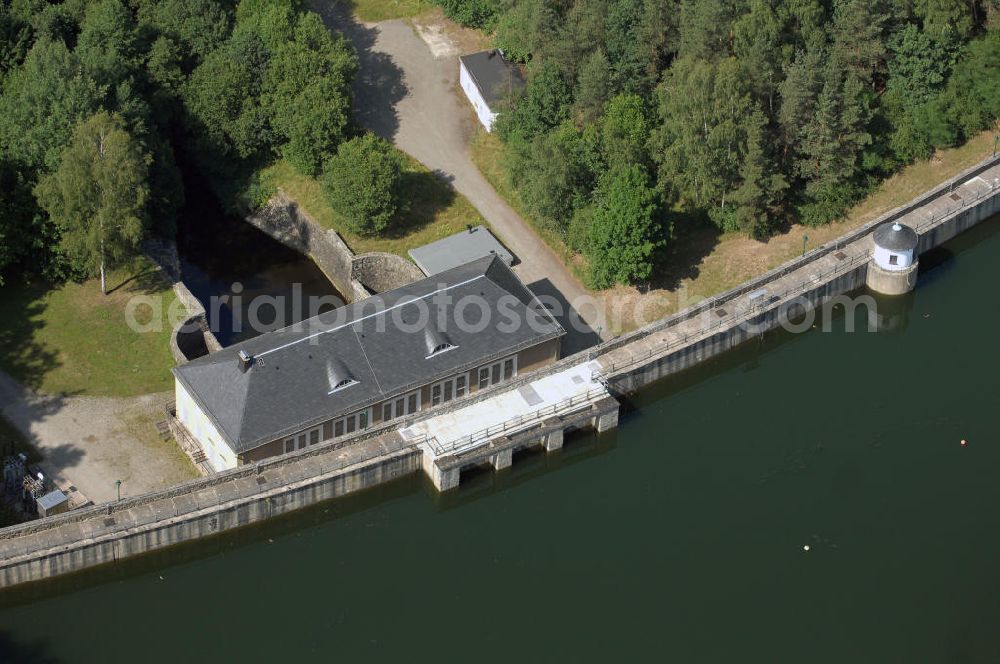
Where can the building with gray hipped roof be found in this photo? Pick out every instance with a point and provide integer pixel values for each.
(371, 362)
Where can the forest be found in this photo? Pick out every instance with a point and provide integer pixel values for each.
(640, 116)
(106, 105)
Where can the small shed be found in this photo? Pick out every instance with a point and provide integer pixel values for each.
(895, 246)
(487, 78)
(54, 502)
(459, 249)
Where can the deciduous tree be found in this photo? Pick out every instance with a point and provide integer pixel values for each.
(362, 183)
(97, 197)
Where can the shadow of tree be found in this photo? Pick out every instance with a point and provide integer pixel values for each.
(20, 355)
(579, 335)
(143, 279)
(424, 194)
(682, 255)
(34, 652)
(65, 456)
(379, 84)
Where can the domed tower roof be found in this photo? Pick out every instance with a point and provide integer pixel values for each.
(896, 237)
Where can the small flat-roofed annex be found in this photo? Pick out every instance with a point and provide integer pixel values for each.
(376, 360)
(458, 249)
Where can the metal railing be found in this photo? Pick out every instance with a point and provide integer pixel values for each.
(485, 435)
(734, 319)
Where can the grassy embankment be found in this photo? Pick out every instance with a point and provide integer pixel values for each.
(72, 340)
(433, 209)
(702, 262)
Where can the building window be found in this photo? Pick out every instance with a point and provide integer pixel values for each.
(314, 436)
(404, 405)
(289, 445)
(893, 259)
(447, 390)
(497, 372)
(338, 428)
(302, 442)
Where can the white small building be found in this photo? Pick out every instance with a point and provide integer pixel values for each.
(893, 266)
(487, 79)
(895, 247)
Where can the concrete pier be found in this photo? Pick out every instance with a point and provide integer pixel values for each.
(537, 413)
(892, 282)
(552, 440)
(503, 459)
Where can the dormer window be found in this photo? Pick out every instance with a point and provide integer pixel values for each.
(441, 348)
(436, 342)
(344, 384)
(338, 377)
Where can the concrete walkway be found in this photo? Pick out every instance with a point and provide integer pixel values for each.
(406, 94)
(89, 442)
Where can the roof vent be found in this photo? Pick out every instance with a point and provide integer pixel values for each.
(245, 361)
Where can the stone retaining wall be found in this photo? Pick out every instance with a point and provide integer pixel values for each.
(356, 277)
(192, 337)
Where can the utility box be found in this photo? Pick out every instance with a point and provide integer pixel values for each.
(54, 502)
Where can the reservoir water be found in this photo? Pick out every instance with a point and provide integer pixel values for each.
(226, 260)
(680, 537)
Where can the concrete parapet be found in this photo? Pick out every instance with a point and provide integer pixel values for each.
(891, 282)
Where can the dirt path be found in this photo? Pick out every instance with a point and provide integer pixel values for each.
(406, 94)
(89, 442)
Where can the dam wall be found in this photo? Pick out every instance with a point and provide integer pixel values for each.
(778, 297)
(233, 499)
(107, 533)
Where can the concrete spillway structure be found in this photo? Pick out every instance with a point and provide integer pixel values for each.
(537, 413)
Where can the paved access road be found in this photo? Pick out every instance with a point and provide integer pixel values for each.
(406, 94)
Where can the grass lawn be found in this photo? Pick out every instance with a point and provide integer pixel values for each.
(434, 209)
(72, 340)
(373, 11)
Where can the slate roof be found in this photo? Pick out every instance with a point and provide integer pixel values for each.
(495, 76)
(458, 249)
(896, 237)
(384, 343)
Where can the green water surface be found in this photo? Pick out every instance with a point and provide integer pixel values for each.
(678, 538)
